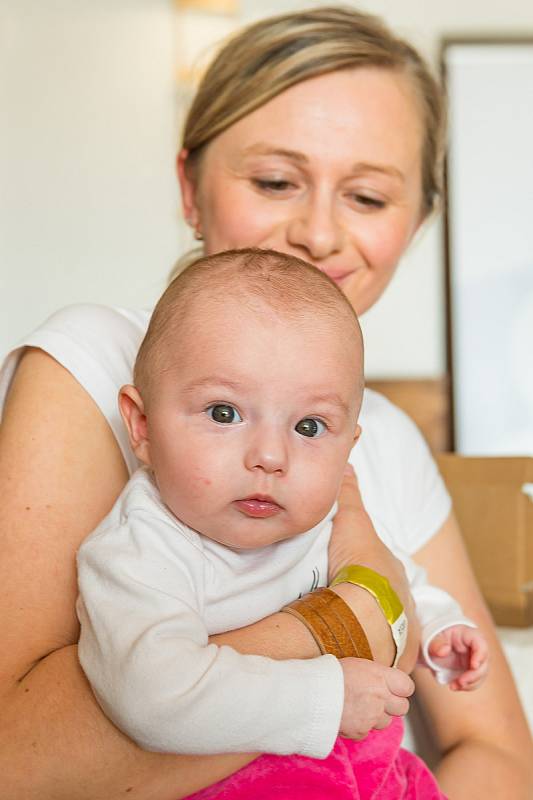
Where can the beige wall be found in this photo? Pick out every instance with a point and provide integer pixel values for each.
(88, 197)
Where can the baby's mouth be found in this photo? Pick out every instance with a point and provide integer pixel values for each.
(258, 506)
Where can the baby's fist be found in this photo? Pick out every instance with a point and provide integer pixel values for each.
(464, 651)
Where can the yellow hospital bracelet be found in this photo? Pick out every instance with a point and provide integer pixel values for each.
(388, 600)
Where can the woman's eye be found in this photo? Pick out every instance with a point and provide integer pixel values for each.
(272, 185)
(310, 427)
(223, 413)
(368, 202)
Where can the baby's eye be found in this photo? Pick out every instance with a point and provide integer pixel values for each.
(223, 413)
(310, 427)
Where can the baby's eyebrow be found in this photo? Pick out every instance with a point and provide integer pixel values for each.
(221, 382)
(210, 381)
(330, 398)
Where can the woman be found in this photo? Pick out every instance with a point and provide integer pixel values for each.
(317, 134)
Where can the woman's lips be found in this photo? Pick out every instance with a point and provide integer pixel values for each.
(339, 278)
(258, 507)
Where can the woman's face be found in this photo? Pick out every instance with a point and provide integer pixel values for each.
(329, 170)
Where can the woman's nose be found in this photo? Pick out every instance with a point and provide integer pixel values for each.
(315, 228)
(268, 451)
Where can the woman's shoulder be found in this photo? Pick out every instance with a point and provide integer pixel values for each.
(399, 479)
(97, 344)
(381, 417)
(84, 337)
(389, 437)
(90, 328)
(91, 319)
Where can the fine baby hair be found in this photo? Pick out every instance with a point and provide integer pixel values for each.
(286, 285)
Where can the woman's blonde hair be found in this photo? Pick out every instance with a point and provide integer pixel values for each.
(265, 58)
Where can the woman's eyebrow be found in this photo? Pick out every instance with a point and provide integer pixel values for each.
(360, 167)
(385, 169)
(264, 149)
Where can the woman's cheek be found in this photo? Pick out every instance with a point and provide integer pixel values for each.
(239, 217)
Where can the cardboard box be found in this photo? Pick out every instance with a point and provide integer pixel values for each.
(493, 501)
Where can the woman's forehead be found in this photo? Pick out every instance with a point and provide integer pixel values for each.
(371, 112)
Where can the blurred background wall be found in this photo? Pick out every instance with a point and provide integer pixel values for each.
(89, 121)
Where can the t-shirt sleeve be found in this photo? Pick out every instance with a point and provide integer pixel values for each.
(98, 346)
(427, 502)
(400, 483)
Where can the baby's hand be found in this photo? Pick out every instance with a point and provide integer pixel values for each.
(463, 650)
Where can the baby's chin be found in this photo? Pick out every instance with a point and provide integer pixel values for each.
(259, 536)
(254, 541)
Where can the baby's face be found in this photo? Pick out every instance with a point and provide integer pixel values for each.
(251, 426)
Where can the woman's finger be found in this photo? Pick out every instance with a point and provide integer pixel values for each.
(349, 494)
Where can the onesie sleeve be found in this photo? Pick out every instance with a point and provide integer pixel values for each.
(436, 610)
(145, 650)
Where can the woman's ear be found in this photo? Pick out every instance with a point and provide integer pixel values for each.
(357, 434)
(188, 190)
(131, 407)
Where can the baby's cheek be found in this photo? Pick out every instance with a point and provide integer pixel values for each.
(314, 503)
(197, 483)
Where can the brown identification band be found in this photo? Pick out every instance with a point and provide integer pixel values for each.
(332, 623)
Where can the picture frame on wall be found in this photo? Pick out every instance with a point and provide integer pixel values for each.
(489, 243)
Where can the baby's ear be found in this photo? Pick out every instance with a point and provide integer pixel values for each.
(131, 407)
(357, 434)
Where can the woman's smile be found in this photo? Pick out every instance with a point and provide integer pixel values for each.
(338, 277)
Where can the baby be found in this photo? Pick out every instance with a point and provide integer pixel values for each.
(244, 409)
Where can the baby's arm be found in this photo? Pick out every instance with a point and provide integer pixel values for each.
(451, 645)
(144, 647)
(464, 651)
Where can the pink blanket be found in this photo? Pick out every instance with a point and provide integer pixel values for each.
(373, 769)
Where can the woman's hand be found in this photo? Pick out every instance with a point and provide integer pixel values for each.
(355, 541)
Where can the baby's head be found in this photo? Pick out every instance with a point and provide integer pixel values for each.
(248, 386)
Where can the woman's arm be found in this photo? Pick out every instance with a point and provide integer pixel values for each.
(353, 541)
(483, 735)
(60, 472)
